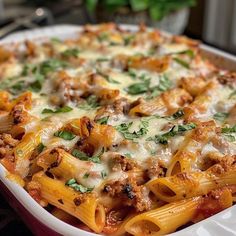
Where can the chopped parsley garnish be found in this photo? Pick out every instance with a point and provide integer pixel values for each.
(78, 187)
(139, 88)
(164, 84)
(90, 103)
(188, 52)
(36, 86)
(128, 39)
(103, 174)
(144, 87)
(59, 110)
(71, 52)
(51, 65)
(21, 85)
(84, 157)
(18, 87)
(220, 116)
(124, 130)
(66, 135)
(7, 82)
(40, 147)
(25, 70)
(228, 133)
(182, 62)
(178, 114)
(128, 155)
(86, 175)
(131, 73)
(103, 120)
(175, 130)
(227, 130)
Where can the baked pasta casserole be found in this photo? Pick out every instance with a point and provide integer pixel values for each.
(119, 132)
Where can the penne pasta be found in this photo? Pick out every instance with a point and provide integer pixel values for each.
(63, 165)
(187, 185)
(168, 218)
(186, 157)
(56, 193)
(166, 104)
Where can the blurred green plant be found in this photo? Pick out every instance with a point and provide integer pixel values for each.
(157, 9)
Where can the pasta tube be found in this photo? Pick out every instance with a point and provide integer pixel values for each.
(186, 185)
(168, 218)
(88, 210)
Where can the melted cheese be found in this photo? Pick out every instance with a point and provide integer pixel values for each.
(139, 149)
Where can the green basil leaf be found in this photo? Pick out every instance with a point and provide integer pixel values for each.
(128, 155)
(124, 130)
(51, 65)
(86, 175)
(103, 174)
(221, 116)
(18, 86)
(36, 86)
(78, 187)
(79, 154)
(103, 120)
(175, 130)
(188, 52)
(182, 128)
(90, 103)
(40, 147)
(66, 135)
(178, 114)
(132, 74)
(227, 130)
(59, 110)
(164, 84)
(138, 88)
(71, 52)
(84, 157)
(128, 39)
(182, 62)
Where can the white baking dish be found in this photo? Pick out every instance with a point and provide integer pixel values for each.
(42, 222)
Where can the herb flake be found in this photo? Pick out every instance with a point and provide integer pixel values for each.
(175, 130)
(59, 110)
(78, 187)
(66, 135)
(103, 120)
(181, 62)
(84, 157)
(220, 116)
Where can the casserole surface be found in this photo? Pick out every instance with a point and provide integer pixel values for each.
(134, 115)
